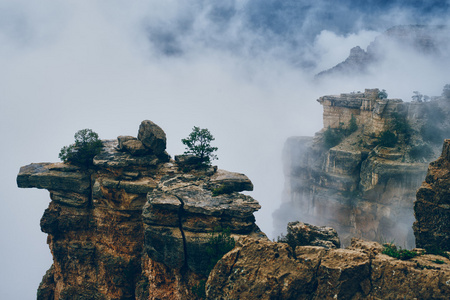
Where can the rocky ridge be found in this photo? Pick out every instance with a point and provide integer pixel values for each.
(135, 224)
(358, 186)
(427, 40)
(260, 269)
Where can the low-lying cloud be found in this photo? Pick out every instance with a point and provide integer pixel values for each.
(243, 69)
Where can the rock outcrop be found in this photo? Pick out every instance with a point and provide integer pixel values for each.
(301, 234)
(135, 225)
(358, 185)
(432, 206)
(260, 269)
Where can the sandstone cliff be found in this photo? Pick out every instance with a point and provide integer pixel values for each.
(358, 185)
(432, 207)
(135, 225)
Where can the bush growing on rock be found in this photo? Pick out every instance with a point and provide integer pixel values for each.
(387, 139)
(219, 243)
(198, 143)
(403, 254)
(87, 145)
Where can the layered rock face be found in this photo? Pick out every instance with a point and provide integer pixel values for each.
(358, 186)
(135, 224)
(259, 269)
(432, 206)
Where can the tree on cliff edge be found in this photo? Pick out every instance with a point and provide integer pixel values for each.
(86, 146)
(198, 143)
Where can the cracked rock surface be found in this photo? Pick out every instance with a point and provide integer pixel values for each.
(260, 269)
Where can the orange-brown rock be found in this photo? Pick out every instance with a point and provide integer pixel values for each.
(259, 269)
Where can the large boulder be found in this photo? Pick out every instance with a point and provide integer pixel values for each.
(302, 234)
(152, 136)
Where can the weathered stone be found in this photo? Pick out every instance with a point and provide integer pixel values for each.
(260, 269)
(55, 177)
(123, 138)
(70, 199)
(432, 206)
(188, 160)
(135, 147)
(301, 234)
(152, 136)
(230, 181)
(110, 157)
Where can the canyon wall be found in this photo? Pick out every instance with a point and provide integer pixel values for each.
(358, 185)
(432, 206)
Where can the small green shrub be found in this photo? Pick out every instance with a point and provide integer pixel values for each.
(332, 137)
(438, 261)
(401, 126)
(86, 146)
(219, 243)
(403, 254)
(222, 189)
(387, 139)
(382, 94)
(200, 289)
(352, 126)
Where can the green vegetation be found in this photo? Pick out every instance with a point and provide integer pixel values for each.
(222, 189)
(219, 243)
(198, 143)
(333, 136)
(438, 261)
(382, 94)
(401, 126)
(86, 146)
(200, 289)
(403, 254)
(352, 126)
(387, 139)
(437, 251)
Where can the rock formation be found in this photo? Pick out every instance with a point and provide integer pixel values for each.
(139, 225)
(427, 40)
(301, 234)
(432, 207)
(135, 225)
(260, 269)
(356, 185)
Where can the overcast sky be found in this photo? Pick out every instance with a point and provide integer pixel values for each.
(242, 69)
